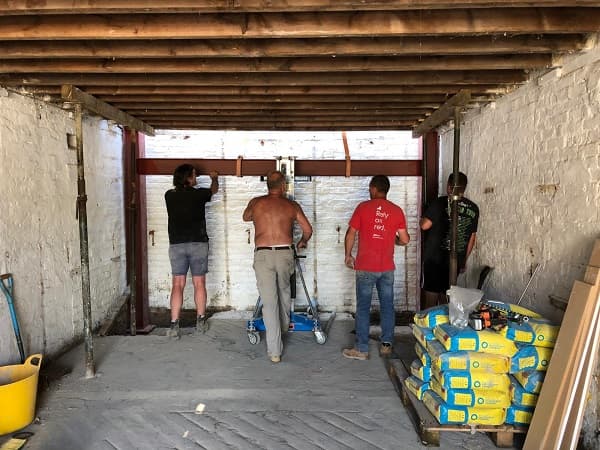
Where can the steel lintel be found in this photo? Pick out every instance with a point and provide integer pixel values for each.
(303, 167)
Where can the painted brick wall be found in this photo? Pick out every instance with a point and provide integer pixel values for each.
(327, 201)
(39, 238)
(533, 161)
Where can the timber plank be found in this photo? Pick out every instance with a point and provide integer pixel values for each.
(289, 47)
(563, 373)
(302, 24)
(194, 6)
(573, 426)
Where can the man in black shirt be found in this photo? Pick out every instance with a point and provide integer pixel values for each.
(436, 222)
(188, 242)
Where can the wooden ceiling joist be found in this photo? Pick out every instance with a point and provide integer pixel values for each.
(291, 123)
(340, 112)
(302, 25)
(73, 95)
(277, 64)
(191, 6)
(296, 90)
(281, 65)
(166, 107)
(443, 114)
(465, 77)
(261, 127)
(416, 100)
(260, 48)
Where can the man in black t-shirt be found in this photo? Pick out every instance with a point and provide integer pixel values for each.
(436, 222)
(188, 242)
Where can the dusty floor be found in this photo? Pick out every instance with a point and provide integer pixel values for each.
(148, 389)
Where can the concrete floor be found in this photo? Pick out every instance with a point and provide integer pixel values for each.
(148, 390)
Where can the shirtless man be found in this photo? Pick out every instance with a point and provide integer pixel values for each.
(274, 216)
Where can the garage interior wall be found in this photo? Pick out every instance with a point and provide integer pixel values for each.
(533, 162)
(327, 201)
(39, 238)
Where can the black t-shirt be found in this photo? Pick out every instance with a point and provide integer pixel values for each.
(187, 222)
(437, 238)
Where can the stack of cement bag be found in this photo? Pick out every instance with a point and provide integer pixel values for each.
(484, 377)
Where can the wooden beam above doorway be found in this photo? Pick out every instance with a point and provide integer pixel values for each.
(444, 113)
(72, 94)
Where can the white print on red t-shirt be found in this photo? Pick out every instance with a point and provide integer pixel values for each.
(379, 226)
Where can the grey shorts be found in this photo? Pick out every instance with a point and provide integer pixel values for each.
(189, 255)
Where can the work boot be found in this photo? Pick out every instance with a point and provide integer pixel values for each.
(275, 359)
(385, 350)
(174, 332)
(202, 324)
(353, 353)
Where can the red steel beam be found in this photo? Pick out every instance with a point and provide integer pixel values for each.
(303, 167)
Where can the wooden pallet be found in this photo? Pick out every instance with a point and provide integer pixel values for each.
(427, 425)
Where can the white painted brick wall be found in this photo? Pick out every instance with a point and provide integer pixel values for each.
(538, 149)
(39, 238)
(327, 201)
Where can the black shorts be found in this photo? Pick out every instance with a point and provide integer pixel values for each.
(435, 276)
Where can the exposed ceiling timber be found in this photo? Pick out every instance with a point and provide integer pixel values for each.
(441, 115)
(255, 105)
(172, 125)
(266, 65)
(306, 117)
(271, 79)
(259, 91)
(288, 124)
(192, 6)
(73, 95)
(257, 48)
(302, 25)
(286, 64)
(420, 101)
(414, 114)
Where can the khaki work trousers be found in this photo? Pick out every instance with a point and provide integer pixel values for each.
(273, 269)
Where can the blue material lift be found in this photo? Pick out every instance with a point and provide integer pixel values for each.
(305, 321)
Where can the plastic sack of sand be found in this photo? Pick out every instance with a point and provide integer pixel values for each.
(519, 396)
(416, 386)
(519, 415)
(430, 317)
(449, 414)
(464, 360)
(480, 398)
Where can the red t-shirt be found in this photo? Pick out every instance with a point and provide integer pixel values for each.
(376, 221)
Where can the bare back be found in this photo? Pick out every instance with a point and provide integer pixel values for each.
(273, 218)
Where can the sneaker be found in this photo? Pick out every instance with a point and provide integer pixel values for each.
(174, 332)
(202, 324)
(385, 349)
(275, 359)
(353, 353)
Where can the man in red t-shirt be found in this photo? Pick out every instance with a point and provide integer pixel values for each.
(380, 224)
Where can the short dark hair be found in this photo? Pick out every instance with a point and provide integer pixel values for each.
(461, 184)
(381, 183)
(275, 179)
(181, 175)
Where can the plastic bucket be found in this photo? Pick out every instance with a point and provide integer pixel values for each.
(18, 392)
